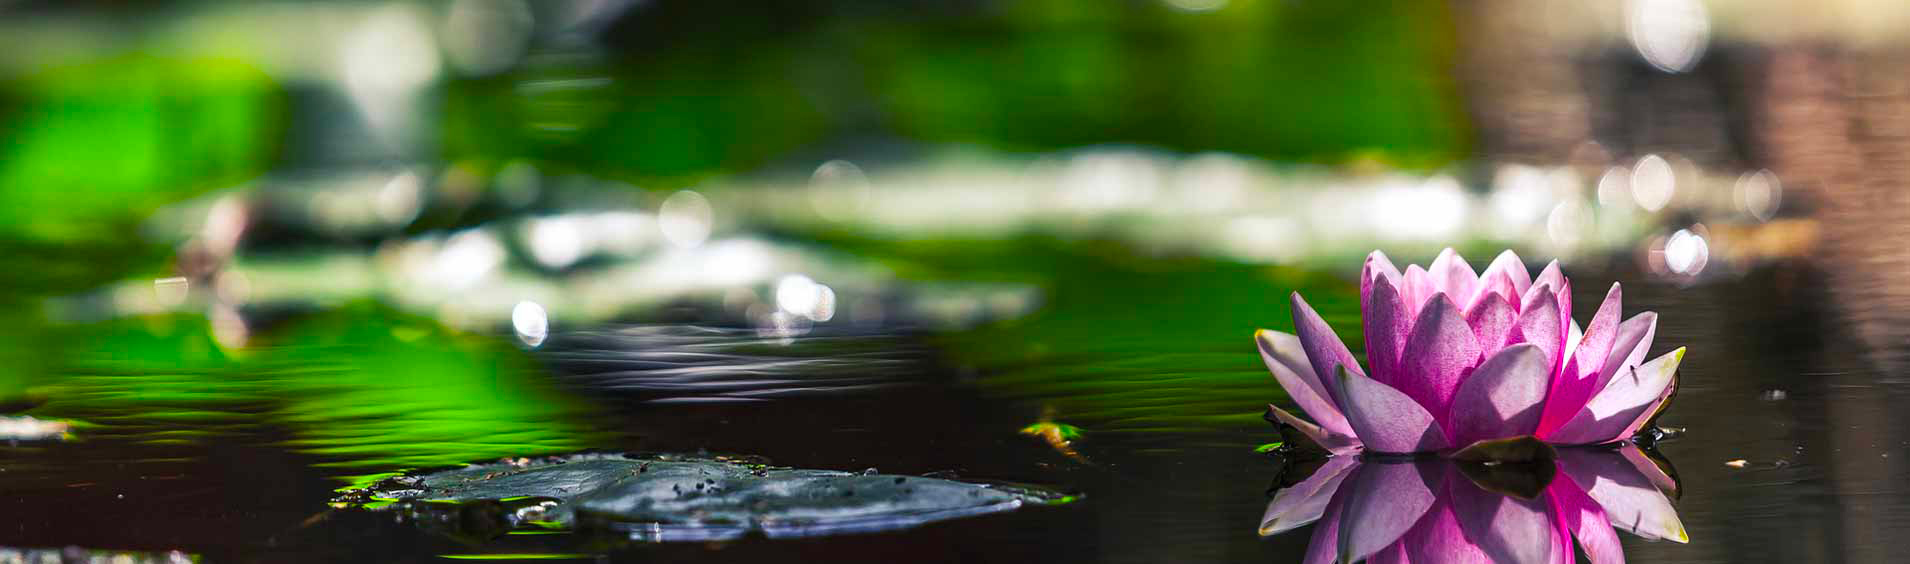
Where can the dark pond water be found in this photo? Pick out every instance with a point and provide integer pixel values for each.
(235, 457)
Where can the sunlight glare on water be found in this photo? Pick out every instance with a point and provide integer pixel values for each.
(1520, 198)
(400, 200)
(1759, 194)
(531, 322)
(1197, 5)
(1653, 182)
(685, 218)
(465, 259)
(797, 294)
(1686, 252)
(1567, 224)
(1669, 34)
(1614, 189)
(483, 37)
(170, 292)
(1214, 182)
(838, 190)
(555, 242)
(1434, 208)
(389, 57)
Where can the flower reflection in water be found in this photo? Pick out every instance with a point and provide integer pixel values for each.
(1429, 509)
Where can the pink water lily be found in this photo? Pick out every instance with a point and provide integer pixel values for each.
(1455, 358)
(1430, 510)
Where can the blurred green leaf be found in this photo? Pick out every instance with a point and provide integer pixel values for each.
(96, 146)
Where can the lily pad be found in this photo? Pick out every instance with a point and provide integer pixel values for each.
(661, 498)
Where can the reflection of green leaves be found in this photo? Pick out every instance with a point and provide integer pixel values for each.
(1126, 345)
(176, 343)
(1158, 349)
(152, 369)
(17, 362)
(348, 386)
(358, 392)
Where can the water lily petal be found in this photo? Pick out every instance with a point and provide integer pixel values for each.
(1503, 397)
(1606, 417)
(1387, 324)
(1324, 350)
(1331, 441)
(1492, 321)
(1630, 500)
(1577, 383)
(1386, 419)
(1600, 335)
(1387, 499)
(1286, 358)
(1452, 276)
(1645, 466)
(1581, 515)
(1384, 319)
(1628, 350)
(1572, 339)
(1439, 537)
(1324, 546)
(1539, 324)
(1496, 287)
(1628, 398)
(1438, 354)
(1306, 501)
(1657, 406)
(1506, 528)
(1419, 288)
(1509, 264)
(1393, 553)
(1378, 267)
(1561, 286)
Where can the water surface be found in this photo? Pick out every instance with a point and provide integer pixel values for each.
(235, 455)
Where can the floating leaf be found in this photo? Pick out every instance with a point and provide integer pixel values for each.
(670, 498)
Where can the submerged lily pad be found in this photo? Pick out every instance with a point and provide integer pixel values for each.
(682, 498)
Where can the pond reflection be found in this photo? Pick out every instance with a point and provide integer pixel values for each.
(1391, 509)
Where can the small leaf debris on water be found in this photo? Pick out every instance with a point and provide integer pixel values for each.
(1269, 447)
(1739, 463)
(1054, 432)
(1060, 436)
